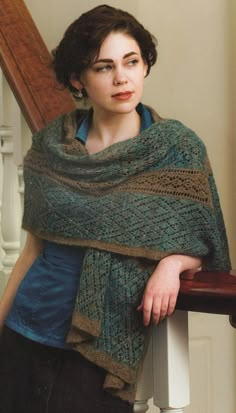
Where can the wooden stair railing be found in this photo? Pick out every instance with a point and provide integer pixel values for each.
(25, 61)
(208, 292)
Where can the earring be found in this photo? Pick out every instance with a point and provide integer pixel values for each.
(78, 94)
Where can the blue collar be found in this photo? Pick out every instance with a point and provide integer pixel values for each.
(143, 111)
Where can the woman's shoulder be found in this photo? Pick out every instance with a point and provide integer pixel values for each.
(59, 128)
(178, 143)
(174, 130)
(177, 133)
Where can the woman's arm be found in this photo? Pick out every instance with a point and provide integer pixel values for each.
(30, 252)
(160, 295)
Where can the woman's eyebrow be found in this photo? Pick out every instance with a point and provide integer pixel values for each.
(110, 60)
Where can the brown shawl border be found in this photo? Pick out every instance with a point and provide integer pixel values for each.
(117, 249)
(191, 184)
(117, 375)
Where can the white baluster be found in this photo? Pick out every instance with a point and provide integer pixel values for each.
(171, 364)
(141, 406)
(1, 181)
(145, 384)
(171, 411)
(1, 171)
(11, 208)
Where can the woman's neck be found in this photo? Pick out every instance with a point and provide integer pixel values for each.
(107, 130)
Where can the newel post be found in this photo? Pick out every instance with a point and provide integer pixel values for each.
(171, 364)
(165, 375)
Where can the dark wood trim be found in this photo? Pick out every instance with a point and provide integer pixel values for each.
(208, 292)
(25, 62)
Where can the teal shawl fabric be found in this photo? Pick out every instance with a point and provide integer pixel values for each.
(131, 204)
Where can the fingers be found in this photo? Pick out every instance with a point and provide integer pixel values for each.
(155, 309)
(171, 306)
(147, 310)
(159, 310)
(159, 298)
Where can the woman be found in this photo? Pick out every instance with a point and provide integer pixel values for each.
(118, 202)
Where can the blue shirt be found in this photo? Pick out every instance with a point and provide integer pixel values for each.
(146, 121)
(45, 299)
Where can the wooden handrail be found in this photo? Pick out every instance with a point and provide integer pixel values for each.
(208, 292)
(25, 61)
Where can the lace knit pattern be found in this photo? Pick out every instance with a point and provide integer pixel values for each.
(131, 204)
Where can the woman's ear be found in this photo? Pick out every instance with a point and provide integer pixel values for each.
(75, 82)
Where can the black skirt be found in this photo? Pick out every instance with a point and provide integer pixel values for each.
(40, 379)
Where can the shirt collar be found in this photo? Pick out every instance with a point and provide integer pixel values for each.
(143, 111)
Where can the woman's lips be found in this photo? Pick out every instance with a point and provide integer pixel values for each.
(123, 95)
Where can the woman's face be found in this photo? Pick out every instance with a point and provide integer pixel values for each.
(114, 82)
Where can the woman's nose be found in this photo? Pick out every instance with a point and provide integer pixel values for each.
(119, 77)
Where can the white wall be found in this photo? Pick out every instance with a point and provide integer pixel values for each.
(53, 17)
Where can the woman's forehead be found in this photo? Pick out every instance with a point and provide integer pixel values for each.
(118, 44)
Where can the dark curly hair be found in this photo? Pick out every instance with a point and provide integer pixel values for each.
(83, 39)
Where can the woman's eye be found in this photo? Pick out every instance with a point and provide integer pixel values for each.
(132, 62)
(103, 68)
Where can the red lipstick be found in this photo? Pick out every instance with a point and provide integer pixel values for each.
(122, 95)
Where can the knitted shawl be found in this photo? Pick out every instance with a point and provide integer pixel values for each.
(131, 205)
